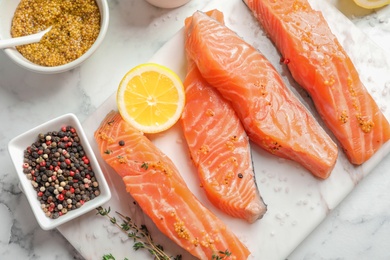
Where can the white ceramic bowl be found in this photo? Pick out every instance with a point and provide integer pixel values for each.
(18, 145)
(167, 3)
(7, 10)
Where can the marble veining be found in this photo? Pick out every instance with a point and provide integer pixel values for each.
(358, 228)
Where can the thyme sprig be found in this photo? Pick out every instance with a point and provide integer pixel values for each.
(140, 235)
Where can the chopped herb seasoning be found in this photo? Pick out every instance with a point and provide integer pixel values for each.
(145, 166)
(221, 255)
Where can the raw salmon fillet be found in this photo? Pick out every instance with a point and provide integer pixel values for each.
(219, 148)
(271, 115)
(156, 185)
(321, 66)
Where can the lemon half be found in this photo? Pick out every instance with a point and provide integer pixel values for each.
(151, 97)
(372, 4)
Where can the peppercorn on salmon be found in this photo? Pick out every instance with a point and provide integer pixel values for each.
(219, 148)
(156, 185)
(271, 115)
(321, 66)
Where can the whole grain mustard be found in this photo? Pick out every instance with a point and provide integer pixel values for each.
(75, 27)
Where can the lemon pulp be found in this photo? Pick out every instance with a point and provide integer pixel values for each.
(151, 97)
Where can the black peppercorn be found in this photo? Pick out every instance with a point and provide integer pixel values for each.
(55, 163)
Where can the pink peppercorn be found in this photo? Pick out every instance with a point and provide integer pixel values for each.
(58, 152)
(61, 197)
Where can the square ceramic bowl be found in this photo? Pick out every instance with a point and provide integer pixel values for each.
(19, 144)
(7, 10)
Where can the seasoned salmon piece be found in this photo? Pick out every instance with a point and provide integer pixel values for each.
(219, 148)
(156, 185)
(321, 66)
(272, 116)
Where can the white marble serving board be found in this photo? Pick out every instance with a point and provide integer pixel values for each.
(297, 202)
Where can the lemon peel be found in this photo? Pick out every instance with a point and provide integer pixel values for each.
(151, 97)
(372, 4)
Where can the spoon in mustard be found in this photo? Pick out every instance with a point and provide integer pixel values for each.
(32, 38)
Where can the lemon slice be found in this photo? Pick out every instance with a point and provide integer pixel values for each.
(151, 98)
(371, 4)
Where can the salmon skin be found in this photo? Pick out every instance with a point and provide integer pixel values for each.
(271, 115)
(156, 185)
(321, 66)
(219, 148)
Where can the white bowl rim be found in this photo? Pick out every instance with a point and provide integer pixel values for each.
(16, 148)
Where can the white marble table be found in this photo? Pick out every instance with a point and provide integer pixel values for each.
(359, 228)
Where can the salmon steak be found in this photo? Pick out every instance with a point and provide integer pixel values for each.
(156, 185)
(318, 62)
(271, 114)
(220, 150)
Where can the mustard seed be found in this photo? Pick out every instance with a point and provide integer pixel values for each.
(75, 27)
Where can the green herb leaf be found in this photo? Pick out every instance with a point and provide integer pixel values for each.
(219, 255)
(145, 166)
(103, 211)
(108, 257)
(140, 235)
(138, 245)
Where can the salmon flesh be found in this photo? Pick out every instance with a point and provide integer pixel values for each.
(319, 63)
(157, 186)
(219, 148)
(272, 116)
